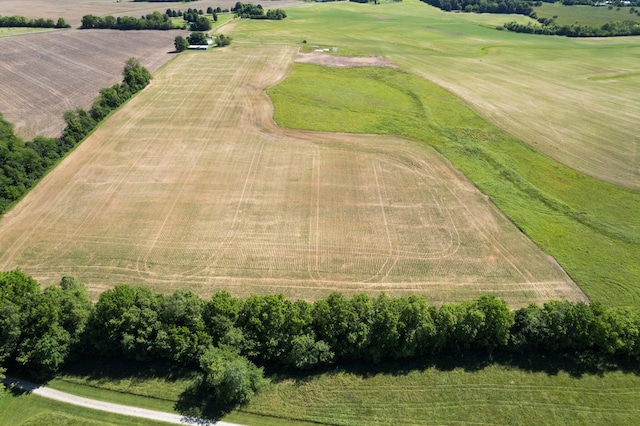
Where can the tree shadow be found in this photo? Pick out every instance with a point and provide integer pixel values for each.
(108, 369)
(196, 402)
(575, 365)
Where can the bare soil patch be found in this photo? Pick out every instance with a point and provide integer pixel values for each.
(191, 185)
(329, 60)
(42, 75)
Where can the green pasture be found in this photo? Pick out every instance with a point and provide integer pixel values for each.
(543, 90)
(589, 226)
(494, 394)
(587, 15)
(437, 391)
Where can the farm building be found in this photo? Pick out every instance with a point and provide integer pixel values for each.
(202, 46)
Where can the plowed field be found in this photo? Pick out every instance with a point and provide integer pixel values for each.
(42, 75)
(191, 185)
(73, 10)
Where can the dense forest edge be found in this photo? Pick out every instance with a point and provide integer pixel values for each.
(549, 27)
(23, 164)
(230, 341)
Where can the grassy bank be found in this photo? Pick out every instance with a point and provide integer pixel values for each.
(452, 390)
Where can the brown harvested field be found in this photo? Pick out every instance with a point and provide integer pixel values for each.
(42, 75)
(191, 185)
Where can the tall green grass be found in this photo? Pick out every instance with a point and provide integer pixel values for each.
(589, 226)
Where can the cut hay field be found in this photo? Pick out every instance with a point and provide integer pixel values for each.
(571, 99)
(190, 185)
(44, 74)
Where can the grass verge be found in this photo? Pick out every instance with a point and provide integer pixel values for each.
(445, 390)
(26, 409)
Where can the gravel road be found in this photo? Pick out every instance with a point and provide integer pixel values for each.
(125, 410)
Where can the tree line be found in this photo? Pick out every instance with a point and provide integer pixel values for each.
(227, 338)
(21, 21)
(22, 164)
(152, 21)
(523, 7)
(549, 27)
(191, 14)
(196, 20)
(252, 11)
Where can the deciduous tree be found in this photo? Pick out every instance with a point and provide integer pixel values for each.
(180, 43)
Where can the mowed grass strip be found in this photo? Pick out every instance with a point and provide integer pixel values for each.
(492, 395)
(437, 391)
(539, 89)
(191, 186)
(591, 227)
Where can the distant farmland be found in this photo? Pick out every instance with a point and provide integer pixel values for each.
(45, 74)
(74, 10)
(190, 185)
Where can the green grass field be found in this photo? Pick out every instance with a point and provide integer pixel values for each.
(587, 15)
